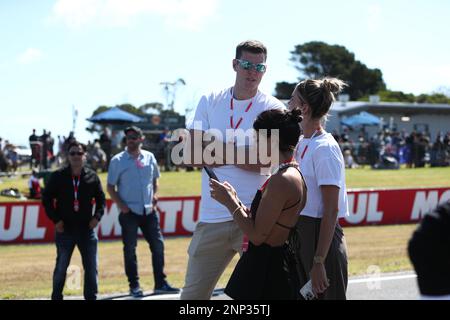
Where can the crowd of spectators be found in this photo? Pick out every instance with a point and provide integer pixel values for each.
(389, 149)
(11, 156)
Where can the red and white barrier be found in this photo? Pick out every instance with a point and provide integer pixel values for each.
(395, 206)
(26, 222)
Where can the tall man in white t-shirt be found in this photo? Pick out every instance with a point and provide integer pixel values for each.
(217, 238)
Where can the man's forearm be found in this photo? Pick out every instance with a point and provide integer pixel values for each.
(155, 186)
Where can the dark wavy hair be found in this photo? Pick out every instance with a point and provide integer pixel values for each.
(287, 122)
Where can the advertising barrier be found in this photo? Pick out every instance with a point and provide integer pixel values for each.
(26, 222)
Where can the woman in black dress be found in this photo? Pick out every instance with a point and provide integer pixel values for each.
(267, 270)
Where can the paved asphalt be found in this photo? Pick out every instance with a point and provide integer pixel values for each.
(396, 286)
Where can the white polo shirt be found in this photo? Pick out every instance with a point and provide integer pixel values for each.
(322, 164)
(214, 112)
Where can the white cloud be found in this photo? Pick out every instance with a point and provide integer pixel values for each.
(190, 14)
(30, 55)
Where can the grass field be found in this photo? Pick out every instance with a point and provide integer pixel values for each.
(23, 275)
(188, 183)
(26, 270)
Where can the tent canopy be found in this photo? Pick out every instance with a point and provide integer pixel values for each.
(361, 119)
(115, 115)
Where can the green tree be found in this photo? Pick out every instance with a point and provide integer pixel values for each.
(399, 96)
(433, 98)
(100, 110)
(284, 90)
(318, 59)
(158, 107)
(393, 96)
(131, 109)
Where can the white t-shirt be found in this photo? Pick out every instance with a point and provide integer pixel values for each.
(214, 112)
(322, 164)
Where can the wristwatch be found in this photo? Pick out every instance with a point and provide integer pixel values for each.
(319, 259)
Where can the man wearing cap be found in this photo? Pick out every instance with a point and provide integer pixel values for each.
(132, 184)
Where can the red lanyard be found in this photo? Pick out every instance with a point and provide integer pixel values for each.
(139, 164)
(240, 119)
(76, 203)
(306, 147)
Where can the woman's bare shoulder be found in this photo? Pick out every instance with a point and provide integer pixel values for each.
(289, 179)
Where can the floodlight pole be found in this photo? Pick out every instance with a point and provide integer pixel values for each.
(170, 89)
(74, 118)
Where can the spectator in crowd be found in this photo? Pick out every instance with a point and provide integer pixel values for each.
(4, 164)
(67, 199)
(348, 159)
(439, 152)
(61, 155)
(97, 157)
(34, 186)
(106, 146)
(12, 156)
(35, 147)
(162, 149)
(71, 138)
(117, 141)
(363, 152)
(410, 149)
(133, 183)
(51, 144)
(421, 150)
(45, 149)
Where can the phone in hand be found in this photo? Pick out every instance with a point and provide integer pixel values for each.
(211, 173)
(307, 292)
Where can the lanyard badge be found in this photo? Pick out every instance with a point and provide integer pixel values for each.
(139, 164)
(76, 184)
(232, 125)
(306, 147)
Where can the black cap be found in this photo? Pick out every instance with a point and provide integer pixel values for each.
(133, 128)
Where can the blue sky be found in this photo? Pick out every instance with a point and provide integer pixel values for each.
(56, 54)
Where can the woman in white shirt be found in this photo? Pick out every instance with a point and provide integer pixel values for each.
(321, 247)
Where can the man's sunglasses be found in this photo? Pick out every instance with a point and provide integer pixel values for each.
(76, 153)
(247, 65)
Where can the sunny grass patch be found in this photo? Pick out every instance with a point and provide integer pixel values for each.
(403, 178)
(27, 269)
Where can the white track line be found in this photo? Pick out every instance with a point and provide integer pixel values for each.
(378, 278)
